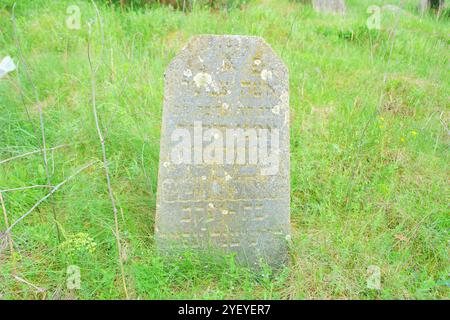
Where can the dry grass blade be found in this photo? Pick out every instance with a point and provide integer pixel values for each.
(5, 217)
(102, 143)
(26, 188)
(41, 116)
(31, 153)
(55, 188)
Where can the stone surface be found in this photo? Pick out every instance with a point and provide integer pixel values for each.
(237, 205)
(425, 5)
(329, 6)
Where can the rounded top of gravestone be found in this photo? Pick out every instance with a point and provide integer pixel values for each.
(202, 51)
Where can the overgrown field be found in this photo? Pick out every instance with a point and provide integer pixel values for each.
(369, 151)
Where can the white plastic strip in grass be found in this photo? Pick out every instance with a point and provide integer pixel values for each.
(6, 66)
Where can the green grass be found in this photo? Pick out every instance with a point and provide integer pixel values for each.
(369, 183)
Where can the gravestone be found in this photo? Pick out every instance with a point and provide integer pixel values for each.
(329, 6)
(223, 182)
(425, 5)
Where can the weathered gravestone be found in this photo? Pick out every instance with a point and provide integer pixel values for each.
(224, 161)
(425, 5)
(329, 6)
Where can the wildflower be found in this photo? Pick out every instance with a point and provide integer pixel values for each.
(402, 139)
(413, 133)
(78, 243)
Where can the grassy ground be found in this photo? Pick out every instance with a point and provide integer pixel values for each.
(369, 179)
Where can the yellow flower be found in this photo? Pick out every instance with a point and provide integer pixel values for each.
(414, 133)
(77, 244)
(402, 139)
